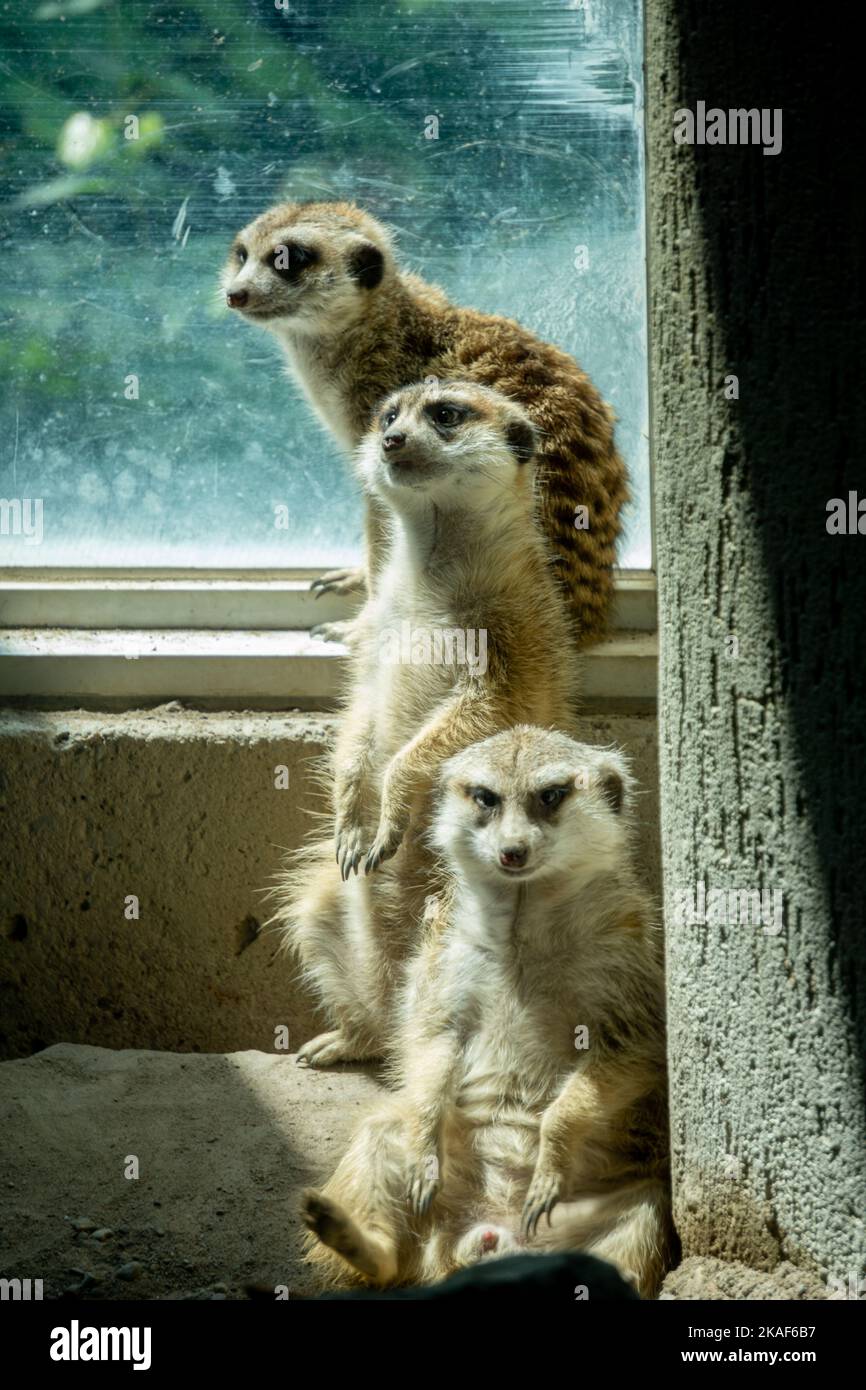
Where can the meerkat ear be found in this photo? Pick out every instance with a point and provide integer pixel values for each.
(521, 440)
(613, 790)
(613, 787)
(366, 264)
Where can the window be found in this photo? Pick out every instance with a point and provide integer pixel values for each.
(502, 139)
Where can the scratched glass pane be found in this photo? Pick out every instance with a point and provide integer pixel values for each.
(529, 203)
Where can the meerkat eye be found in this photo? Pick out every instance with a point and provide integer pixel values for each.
(447, 415)
(241, 254)
(482, 797)
(552, 796)
(389, 417)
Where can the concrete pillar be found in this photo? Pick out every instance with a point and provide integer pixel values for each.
(755, 275)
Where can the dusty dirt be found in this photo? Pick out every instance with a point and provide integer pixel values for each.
(223, 1142)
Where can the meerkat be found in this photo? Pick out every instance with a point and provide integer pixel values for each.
(354, 327)
(466, 590)
(530, 1113)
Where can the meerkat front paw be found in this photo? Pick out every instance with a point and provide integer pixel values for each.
(339, 582)
(542, 1197)
(423, 1183)
(350, 846)
(389, 838)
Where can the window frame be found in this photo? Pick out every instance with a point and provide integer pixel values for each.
(108, 639)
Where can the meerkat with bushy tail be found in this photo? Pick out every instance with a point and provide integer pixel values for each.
(530, 1050)
(464, 634)
(354, 326)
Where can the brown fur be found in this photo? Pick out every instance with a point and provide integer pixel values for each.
(355, 344)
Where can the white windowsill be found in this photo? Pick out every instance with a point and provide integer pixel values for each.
(251, 600)
(235, 641)
(269, 669)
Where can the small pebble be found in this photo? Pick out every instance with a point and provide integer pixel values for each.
(88, 1282)
(84, 1223)
(130, 1271)
(103, 1233)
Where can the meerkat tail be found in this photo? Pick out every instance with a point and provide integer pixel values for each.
(360, 1218)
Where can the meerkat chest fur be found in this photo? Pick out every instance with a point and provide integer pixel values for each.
(324, 392)
(515, 977)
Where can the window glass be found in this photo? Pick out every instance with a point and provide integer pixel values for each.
(142, 424)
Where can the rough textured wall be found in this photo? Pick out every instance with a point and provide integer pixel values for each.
(180, 809)
(755, 272)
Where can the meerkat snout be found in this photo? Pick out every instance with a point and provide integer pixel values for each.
(530, 803)
(514, 856)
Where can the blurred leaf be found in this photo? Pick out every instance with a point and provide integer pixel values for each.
(54, 9)
(56, 190)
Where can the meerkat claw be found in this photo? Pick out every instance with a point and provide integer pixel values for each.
(380, 852)
(541, 1198)
(386, 844)
(423, 1186)
(338, 582)
(349, 849)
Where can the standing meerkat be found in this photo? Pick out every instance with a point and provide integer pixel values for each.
(355, 327)
(464, 634)
(530, 1053)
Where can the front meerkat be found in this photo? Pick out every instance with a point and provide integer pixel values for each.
(465, 633)
(530, 1052)
(355, 327)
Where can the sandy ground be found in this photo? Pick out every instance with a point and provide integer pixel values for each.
(223, 1143)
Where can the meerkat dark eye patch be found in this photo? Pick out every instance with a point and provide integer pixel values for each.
(240, 253)
(550, 798)
(447, 414)
(366, 264)
(521, 440)
(483, 797)
(289, 259)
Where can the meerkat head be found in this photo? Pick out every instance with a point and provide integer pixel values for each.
(307, 268)
(452, 443)
(533, 804)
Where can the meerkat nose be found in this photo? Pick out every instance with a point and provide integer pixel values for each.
(514, 857)
(236, 299)
(393, 440)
